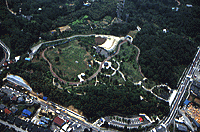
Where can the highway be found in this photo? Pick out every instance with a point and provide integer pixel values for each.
(181, 90)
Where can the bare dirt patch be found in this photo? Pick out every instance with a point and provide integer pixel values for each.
(64, 28)
(133, 33)
(197, 100)
(99, 40)
(71, 107)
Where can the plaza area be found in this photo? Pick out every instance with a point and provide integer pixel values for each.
(110, 43)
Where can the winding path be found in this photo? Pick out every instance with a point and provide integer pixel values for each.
(137, 58)
(91, 77)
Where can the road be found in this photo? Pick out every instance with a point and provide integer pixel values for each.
(35, 48)
(181, 90)
(6, 52)
(66, 112)
(12, 126)
(9, 89)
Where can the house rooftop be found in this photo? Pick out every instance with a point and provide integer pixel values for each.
(7, 111)
(58, 121)
(27, 112)
(2, 106)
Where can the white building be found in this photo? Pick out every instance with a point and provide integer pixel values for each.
(18, 80)
(188, 5)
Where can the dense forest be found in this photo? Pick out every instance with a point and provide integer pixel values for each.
(2, 54)
(163, 55)
(98, 101)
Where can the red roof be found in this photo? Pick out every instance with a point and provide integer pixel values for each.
(140, 119)
(14, 98)
(11, 62)
(58, 121)
(5, 64)
(7, 111)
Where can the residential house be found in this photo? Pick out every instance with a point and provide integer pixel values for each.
(17, 58)
(44, 98)
(35, 129)
(5, 64)
(5, 99)
(140, 119)
(24, 124)
(26, 113)
(29, 127)
(58, 121)
(13, 109)
(196, 123)
(28, 59)
(11, 119)
(181, 127)
(188, 5)
(186, 102)
(8, 112)
(20, 99)
(18, 122)
(2, 106)
(1, 95)
(13, 98)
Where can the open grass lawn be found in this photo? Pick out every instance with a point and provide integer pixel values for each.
(132, 73)
(73, 59)
(129, 65)
(133, 33)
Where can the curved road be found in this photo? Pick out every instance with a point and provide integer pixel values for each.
(6, 52)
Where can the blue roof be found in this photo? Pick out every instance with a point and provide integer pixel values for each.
(41, 123)
(28, 59)
(45, 98)
(24, 115)
(25, 111)
(186, 102)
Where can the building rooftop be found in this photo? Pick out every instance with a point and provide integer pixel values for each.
(7, 111)
(181, 127)
(27, 112)
(19, 81)
(58, 121)
(2, 106)
(186, 102)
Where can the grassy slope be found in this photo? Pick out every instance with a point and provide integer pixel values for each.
(67, 59)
